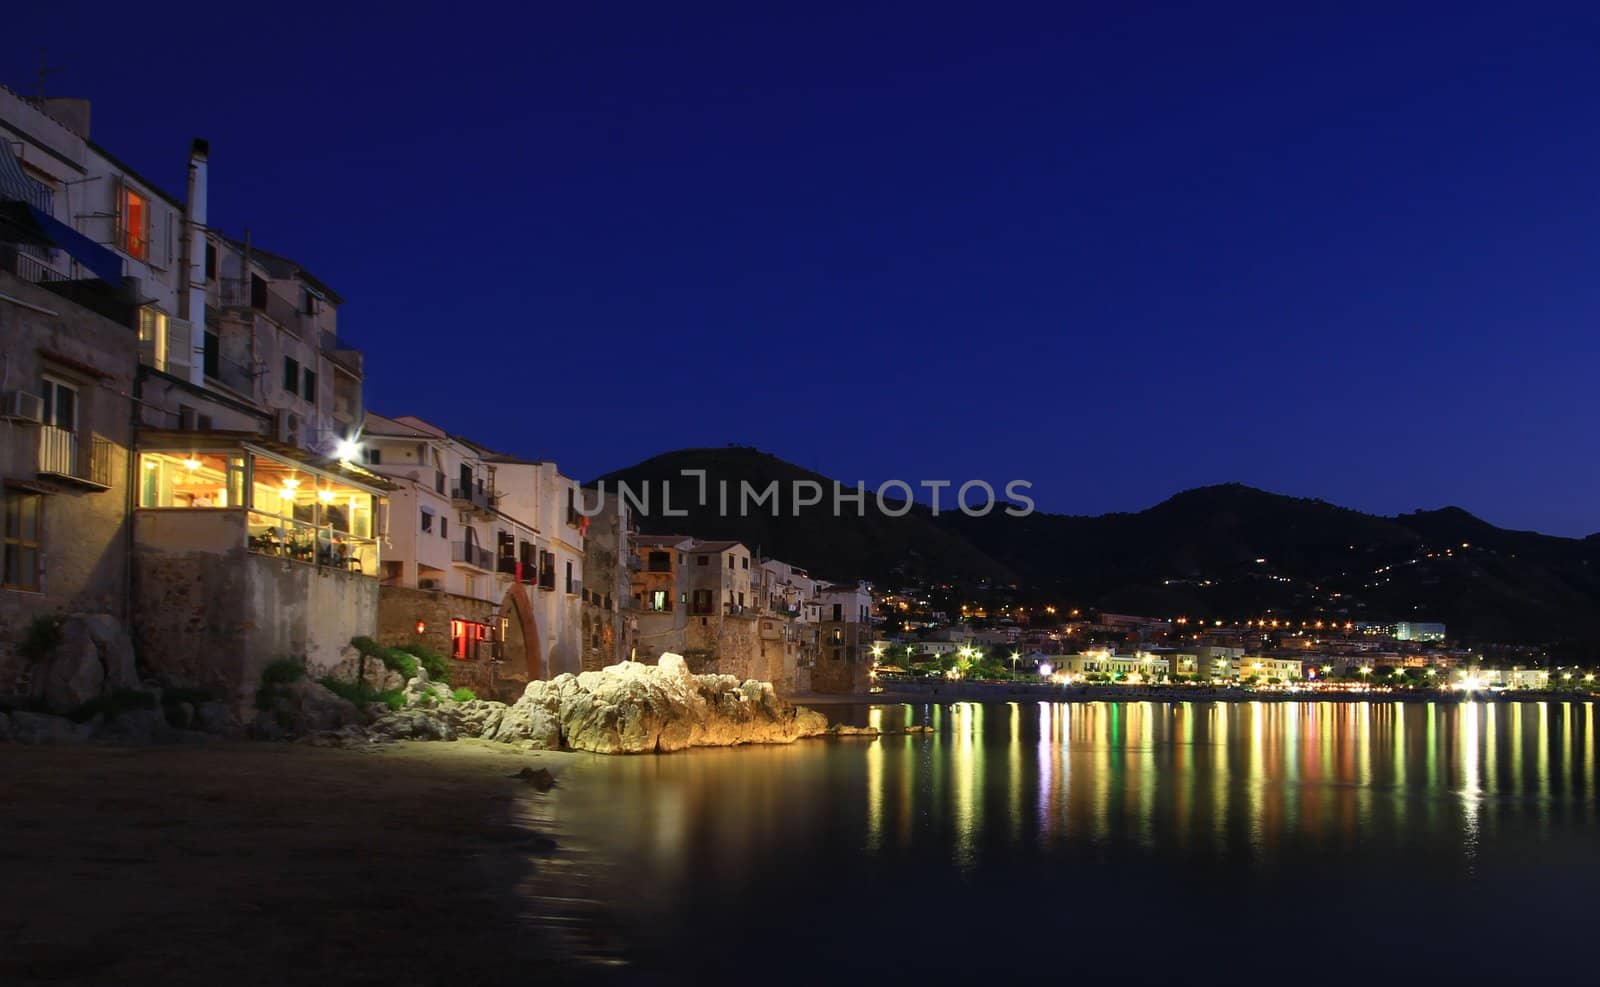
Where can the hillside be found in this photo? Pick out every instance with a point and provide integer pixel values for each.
(1227, 551)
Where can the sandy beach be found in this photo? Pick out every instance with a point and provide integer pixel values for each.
(275, 864)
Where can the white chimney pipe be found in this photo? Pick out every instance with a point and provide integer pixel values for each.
(195, 234)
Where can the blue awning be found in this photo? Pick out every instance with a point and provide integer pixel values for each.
(25, 223)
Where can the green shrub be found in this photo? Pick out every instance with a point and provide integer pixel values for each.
(282, 672)
(463, 695)
(41, 638)
(393, 698)
(394, 659)
(362, 694)
(111, 704)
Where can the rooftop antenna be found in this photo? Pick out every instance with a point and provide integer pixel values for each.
(46, 70)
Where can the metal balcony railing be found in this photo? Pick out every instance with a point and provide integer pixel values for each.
(63, 455)
(471, 555)
(472, 496)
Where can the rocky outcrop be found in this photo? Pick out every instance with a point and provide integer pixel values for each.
(353, 667)
(623, 709)
(633, 708)
(302, 707)
(92, 657)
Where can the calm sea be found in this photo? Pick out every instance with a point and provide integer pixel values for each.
(1165, 842)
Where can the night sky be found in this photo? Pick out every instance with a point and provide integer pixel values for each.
(1117, 252)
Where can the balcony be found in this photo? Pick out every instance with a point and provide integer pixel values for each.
(342, 356)
(63, 457)
(241, 293)
(471, 556)
(473, 498)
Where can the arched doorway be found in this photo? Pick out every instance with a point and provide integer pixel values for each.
(521, 645)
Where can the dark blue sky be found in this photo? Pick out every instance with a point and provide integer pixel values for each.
(1118, 252)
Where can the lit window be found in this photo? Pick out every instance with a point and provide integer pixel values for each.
(135, 222)
(201, 479)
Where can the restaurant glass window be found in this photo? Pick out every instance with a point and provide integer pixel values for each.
(191, 479)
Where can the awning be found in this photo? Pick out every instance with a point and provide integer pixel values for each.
(21, 222)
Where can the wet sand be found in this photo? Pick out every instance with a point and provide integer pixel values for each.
(282, 864)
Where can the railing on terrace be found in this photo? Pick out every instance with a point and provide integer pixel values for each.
(473, 495)
(242, 293)
(61, 454)
(309, 544)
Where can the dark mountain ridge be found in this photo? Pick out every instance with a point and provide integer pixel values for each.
(1227, 552)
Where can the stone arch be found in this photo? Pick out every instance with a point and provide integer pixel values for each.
(521, 624)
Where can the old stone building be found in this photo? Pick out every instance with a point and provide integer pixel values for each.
(66, 375)
(844, 661)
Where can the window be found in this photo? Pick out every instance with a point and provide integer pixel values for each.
(660, 562)
(702, 601)
(198, 479)
(60, 405)
(310, 391)
(838, 613)
(465, 637)
(741, 601)
(291, 375)
(374, 456)
(308, 301)
(569, 577)
(444, 527)
(702, 560)
(213, 355)
(20, 531)
(427, 521)
(746, 563)
(730, 562)
(134, 237)
(211, 262)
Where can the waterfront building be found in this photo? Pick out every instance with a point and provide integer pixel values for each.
(659, 584)
(247, 543)
(844, 662)
(486, 564)
(1141, 666)
(65, 434)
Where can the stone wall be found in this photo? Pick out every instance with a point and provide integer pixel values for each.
(214, 617)
(399, 610)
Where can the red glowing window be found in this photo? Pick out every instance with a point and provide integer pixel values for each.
(466, 636)
(135, 217)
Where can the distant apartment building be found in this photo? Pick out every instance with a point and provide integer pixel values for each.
(1141, 666)
(249, 541)
(486, 557)
(1410, 630)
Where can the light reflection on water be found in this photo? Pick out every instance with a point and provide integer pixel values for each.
(1387, 809)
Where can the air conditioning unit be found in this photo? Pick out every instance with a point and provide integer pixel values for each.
(22, 406)
(288, 431)
(427, 584)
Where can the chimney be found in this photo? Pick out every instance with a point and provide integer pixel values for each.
(194, 223)
(69, 111)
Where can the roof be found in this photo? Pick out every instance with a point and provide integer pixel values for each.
(715, 546)
(282, 267)
(175, 439)
(659, 541)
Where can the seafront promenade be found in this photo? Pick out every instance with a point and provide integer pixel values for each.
(997, 692)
